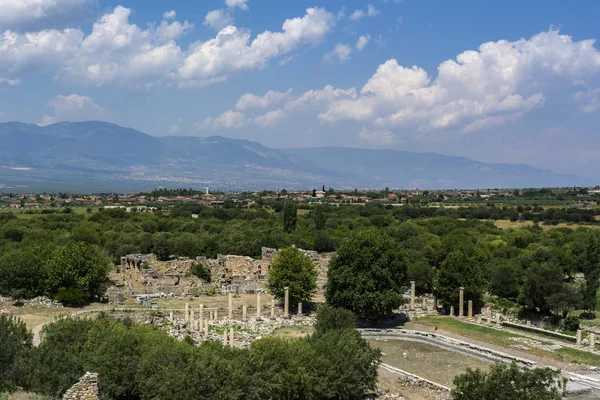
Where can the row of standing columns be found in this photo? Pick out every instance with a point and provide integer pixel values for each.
(461, 302)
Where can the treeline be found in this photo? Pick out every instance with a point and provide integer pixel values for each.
(551, 271)
(142, 362)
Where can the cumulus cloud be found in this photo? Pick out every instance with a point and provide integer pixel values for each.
(233, 50)
(34, 14)
(117, 51)
(496, 84)
(271, 98)
(169, 14)
(362, 42)
(9, 82)
(340, 53)
(73, 107)
(173, 129)
(217, 19)
(270, 119)
(589, 100)
(242, 4)
(359, 14)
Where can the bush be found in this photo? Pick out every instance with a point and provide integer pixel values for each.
(15, 340)
(330, 318)
(570, 323)
(200, 271)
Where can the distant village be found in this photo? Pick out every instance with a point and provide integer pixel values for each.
(583, 198)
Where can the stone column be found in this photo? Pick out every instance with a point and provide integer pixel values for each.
(498, 318)
(231, 337)
(286, 303)
(273, 308)
(217, 313)
(225, 337)
(424, 303)
(461, 302)
(412, 295)
(186, 316)
(191, 319)
(300, 308)
(592, 340)
(206, 330)
(258, 305)
(230, 305)
(452, 311)
(244, 312)
(578, 337)
(171, 316)
(470, 309)
(201, 316)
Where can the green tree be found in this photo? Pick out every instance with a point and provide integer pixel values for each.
(294, 269)
(21, 272)
(368, 275)
(542, 281)
(15, 340)
(508, 382)
(319, 215)
(591, 272)
(459, 270)
(76, 273)
(289, 216)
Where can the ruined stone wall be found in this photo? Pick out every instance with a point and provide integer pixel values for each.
(245, 274)
(85, 389)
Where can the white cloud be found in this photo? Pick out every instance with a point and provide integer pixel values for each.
(270, 119)
(359, 14)
(497, 84)
(117, 51)
(229, 119)
(362, 42)
(590, 99)
(73, 107)
(232, 49)
(9, 82)
(217, 19)
(242, 4)
(169, 14)
(340, 53)
(491, 86)
(174, 129)
(271, 98)
(377, 137)
(31, 14)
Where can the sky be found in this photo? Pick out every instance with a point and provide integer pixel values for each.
(495, 81)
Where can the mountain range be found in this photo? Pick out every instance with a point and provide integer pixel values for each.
(101, 157)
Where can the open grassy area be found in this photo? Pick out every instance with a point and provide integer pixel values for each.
(579, 356)
(294, 332)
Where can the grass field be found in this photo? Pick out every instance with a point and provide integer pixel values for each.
(506, 224)
(294, 332)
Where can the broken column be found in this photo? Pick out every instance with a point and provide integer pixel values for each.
(592, 340)
(286, 303)
(412, 295)
(201, 316)
(171, 316)
(470, 309)
(206, 330)
(244, 312)
(424, 303)
(225, 337)
(191, 320)
(230, 305)
(186, 315)
(258, 305)
(300, 308)
(217, 313)
(461, 302)
(272, 308)
(231, 336)
(578, 337)
(452, 311)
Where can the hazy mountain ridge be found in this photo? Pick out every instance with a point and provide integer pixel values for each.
(102, 156)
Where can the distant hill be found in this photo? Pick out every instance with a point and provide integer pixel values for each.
(98, 156)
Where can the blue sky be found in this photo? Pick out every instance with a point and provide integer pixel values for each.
(508, 81)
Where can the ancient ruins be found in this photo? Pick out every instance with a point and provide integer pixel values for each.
(228, 272)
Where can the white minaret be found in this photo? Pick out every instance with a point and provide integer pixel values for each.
(207, 190)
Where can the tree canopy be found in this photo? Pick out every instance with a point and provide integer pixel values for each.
(295, 270)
